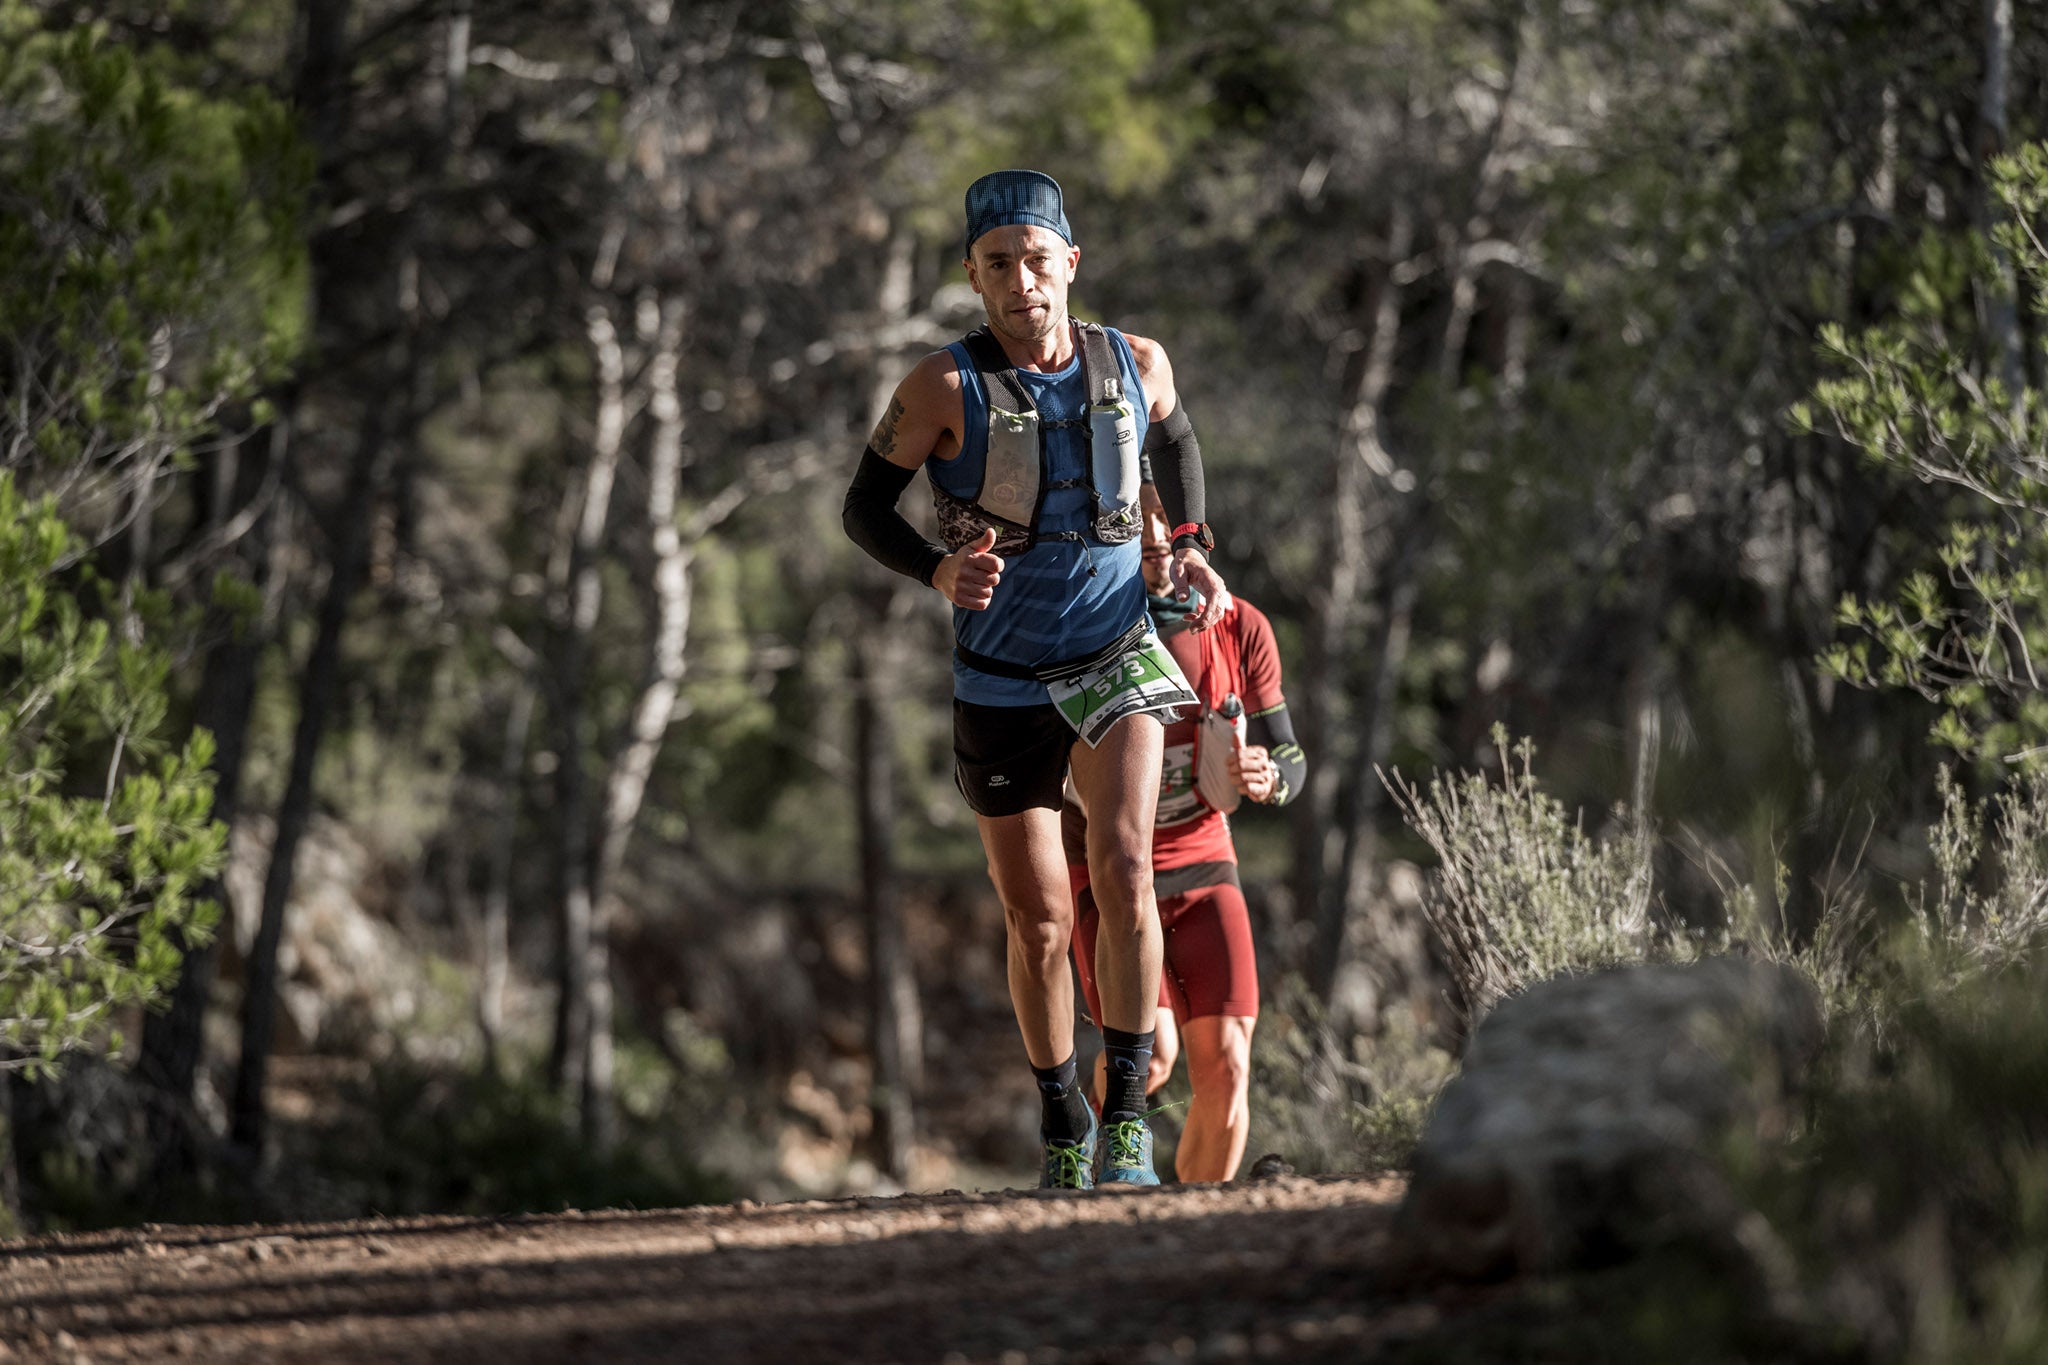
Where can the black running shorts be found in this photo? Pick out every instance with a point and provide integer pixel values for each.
(1008, 759)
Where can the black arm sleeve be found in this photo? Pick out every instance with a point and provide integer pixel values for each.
(873, 523)
(1177, 467)
(1276, 731)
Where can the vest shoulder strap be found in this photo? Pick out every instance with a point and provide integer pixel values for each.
(998, 375)
(1099, 367)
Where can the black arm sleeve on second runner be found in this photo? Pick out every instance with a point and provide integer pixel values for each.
(1177, 467)
(873, 523)
(1275, 730)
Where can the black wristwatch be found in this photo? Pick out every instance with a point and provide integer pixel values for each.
(1195, 533)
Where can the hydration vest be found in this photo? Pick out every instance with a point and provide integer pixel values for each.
(1219, 725)
(1014, 472)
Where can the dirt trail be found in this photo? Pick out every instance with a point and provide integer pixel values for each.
(1274, 1270)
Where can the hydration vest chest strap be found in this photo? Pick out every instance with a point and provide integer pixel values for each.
(1016, 470)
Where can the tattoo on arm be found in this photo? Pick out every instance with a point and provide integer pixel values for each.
(885, 430)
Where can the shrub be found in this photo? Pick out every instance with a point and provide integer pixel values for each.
(1919, 1198)
(2002, 841)
(1907, 1218)
(1521, 891)
(1328, 1105)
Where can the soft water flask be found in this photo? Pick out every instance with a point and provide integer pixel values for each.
(1212, 759)
(1113, 445)
(1232, 710)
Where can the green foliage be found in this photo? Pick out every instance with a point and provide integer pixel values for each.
(1923, 400)
(1988, 908)
(151, 262)
(1919, 1199)
(1068, 93)
(1330, 1104)
(1838, 955)
(1913, 1208)
(1521, 891)
(105, 831)
(151, 271)
(1907, 1220)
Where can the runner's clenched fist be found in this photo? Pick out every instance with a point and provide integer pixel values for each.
(967, 577)
(1253, 772)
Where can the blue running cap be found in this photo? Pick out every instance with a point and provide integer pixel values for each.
(1001, 198)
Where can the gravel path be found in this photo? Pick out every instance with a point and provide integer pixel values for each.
(1272, 1270)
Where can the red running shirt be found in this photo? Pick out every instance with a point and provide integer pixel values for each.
(1237, 654)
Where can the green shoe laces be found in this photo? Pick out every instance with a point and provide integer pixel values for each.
(1067, 1165)
(1126, 1142)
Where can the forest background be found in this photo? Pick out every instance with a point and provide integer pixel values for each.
(425, 429)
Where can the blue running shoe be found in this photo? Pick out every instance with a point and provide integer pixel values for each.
(1071, 1165)
(1126, 1154)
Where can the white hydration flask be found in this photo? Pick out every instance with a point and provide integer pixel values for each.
(1113, 449)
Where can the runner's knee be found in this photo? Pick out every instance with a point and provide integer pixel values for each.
(1228, 1071)
(1122, 878)
(1224, 1066)
(1041, 927)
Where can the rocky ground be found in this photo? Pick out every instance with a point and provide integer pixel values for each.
(1287, 1269)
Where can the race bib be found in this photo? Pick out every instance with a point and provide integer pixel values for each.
(1143, 678)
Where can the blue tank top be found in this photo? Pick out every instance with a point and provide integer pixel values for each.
(1049, 605)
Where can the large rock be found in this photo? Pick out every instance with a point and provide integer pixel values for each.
(1593, 1111)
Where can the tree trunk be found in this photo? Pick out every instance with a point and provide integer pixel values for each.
(321, 69)
(1488, 179)
(494, 929)
(1360, 859)
(320, 685)
(895, 1025)
(173, 1040)
(584, 596)
(10, 1174)
(895, 1017)
(1464, 300)
(324, 73)
(1346, 805)
(668, 610)
(2001, 307)
(1349, 561)
(1512, 358)
(434, 171)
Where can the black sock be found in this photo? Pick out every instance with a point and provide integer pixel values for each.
(1130, 1059)
(1063, 1113)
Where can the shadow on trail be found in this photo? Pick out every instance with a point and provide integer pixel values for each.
(116, 1240)
(854, 1290)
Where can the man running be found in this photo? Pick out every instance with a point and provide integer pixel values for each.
(1210, 983)
(1029, 430)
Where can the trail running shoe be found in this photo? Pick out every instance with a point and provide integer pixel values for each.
(1126, 1154)
(1071, 1165)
